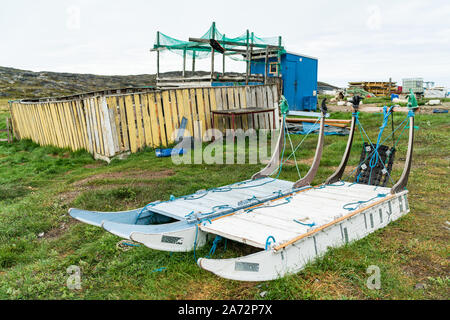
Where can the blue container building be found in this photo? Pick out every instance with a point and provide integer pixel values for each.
(299, 76)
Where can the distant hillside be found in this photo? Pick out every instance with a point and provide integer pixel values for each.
(21, 84)
(321, 86)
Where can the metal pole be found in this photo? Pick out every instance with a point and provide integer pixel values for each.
(247, 56)
(265, 65)
(223, 62)
(184, 62)
(212, 50)
(279, 56)
(157, 55)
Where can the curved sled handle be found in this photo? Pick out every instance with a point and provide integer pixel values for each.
(309, 177)
(274, 162)
(337, 175)
(403, 181)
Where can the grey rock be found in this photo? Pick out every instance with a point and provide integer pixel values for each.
(420, 286)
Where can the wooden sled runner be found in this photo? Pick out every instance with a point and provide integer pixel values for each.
(296, 229)
(172, 225)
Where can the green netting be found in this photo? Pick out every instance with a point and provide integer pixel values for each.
(203, 50)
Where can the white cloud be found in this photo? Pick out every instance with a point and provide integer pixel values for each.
(353, 40)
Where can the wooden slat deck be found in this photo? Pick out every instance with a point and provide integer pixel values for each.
(316, 205)
(231, 198)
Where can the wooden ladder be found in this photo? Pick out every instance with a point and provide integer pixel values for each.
(8, 131)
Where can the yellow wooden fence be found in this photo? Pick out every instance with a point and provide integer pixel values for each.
(110, 124)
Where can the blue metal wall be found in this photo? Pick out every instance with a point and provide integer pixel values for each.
(299, 74)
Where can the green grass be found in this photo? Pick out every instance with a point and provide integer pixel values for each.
(39, 184)
(4, 105)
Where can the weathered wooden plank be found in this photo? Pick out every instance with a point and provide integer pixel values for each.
(107, 128)
(262, 103)
(37, 135)
(238, 105)
(187, 112)
(59, 141)
(180, 108)
(94, 128)
(124, 124)
(146, 120)
(269, 105)
(52, 128)
(25, 129)
(167, 110)
(208, 116)
(195, 116)
(201, 113)
(87, 119)
(45, 124)
(20, 127)
(100, 129)
(276, 105)
(82, 117)
(139, 122)
(49, 124)
(156, 134)
(250, 97)
(41, 124)
(225, 106)
(131, 121)
(243, 104)
(62, 121)
(70, 128)
(173, 101)
(36, 132)
(114, 122)
(77, 126)
(161, 121)
(219, 121)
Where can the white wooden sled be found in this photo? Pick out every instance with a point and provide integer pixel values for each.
(303, 229)
(295, 230)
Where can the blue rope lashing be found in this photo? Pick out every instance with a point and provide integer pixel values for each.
(131, 244)
(195, 242)
(357, 204)
(160, 269)
(287, 200)
(206, 220)
(411, 113)
(269, 241)
(142, 211)
(305, 224)
(375, 155)
(189, 215)
(214, 246)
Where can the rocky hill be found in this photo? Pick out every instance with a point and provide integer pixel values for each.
(22, 84)
(15, 83)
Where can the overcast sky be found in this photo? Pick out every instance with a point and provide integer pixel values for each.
(354, 40)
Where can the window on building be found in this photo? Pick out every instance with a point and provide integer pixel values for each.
(273, 68)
